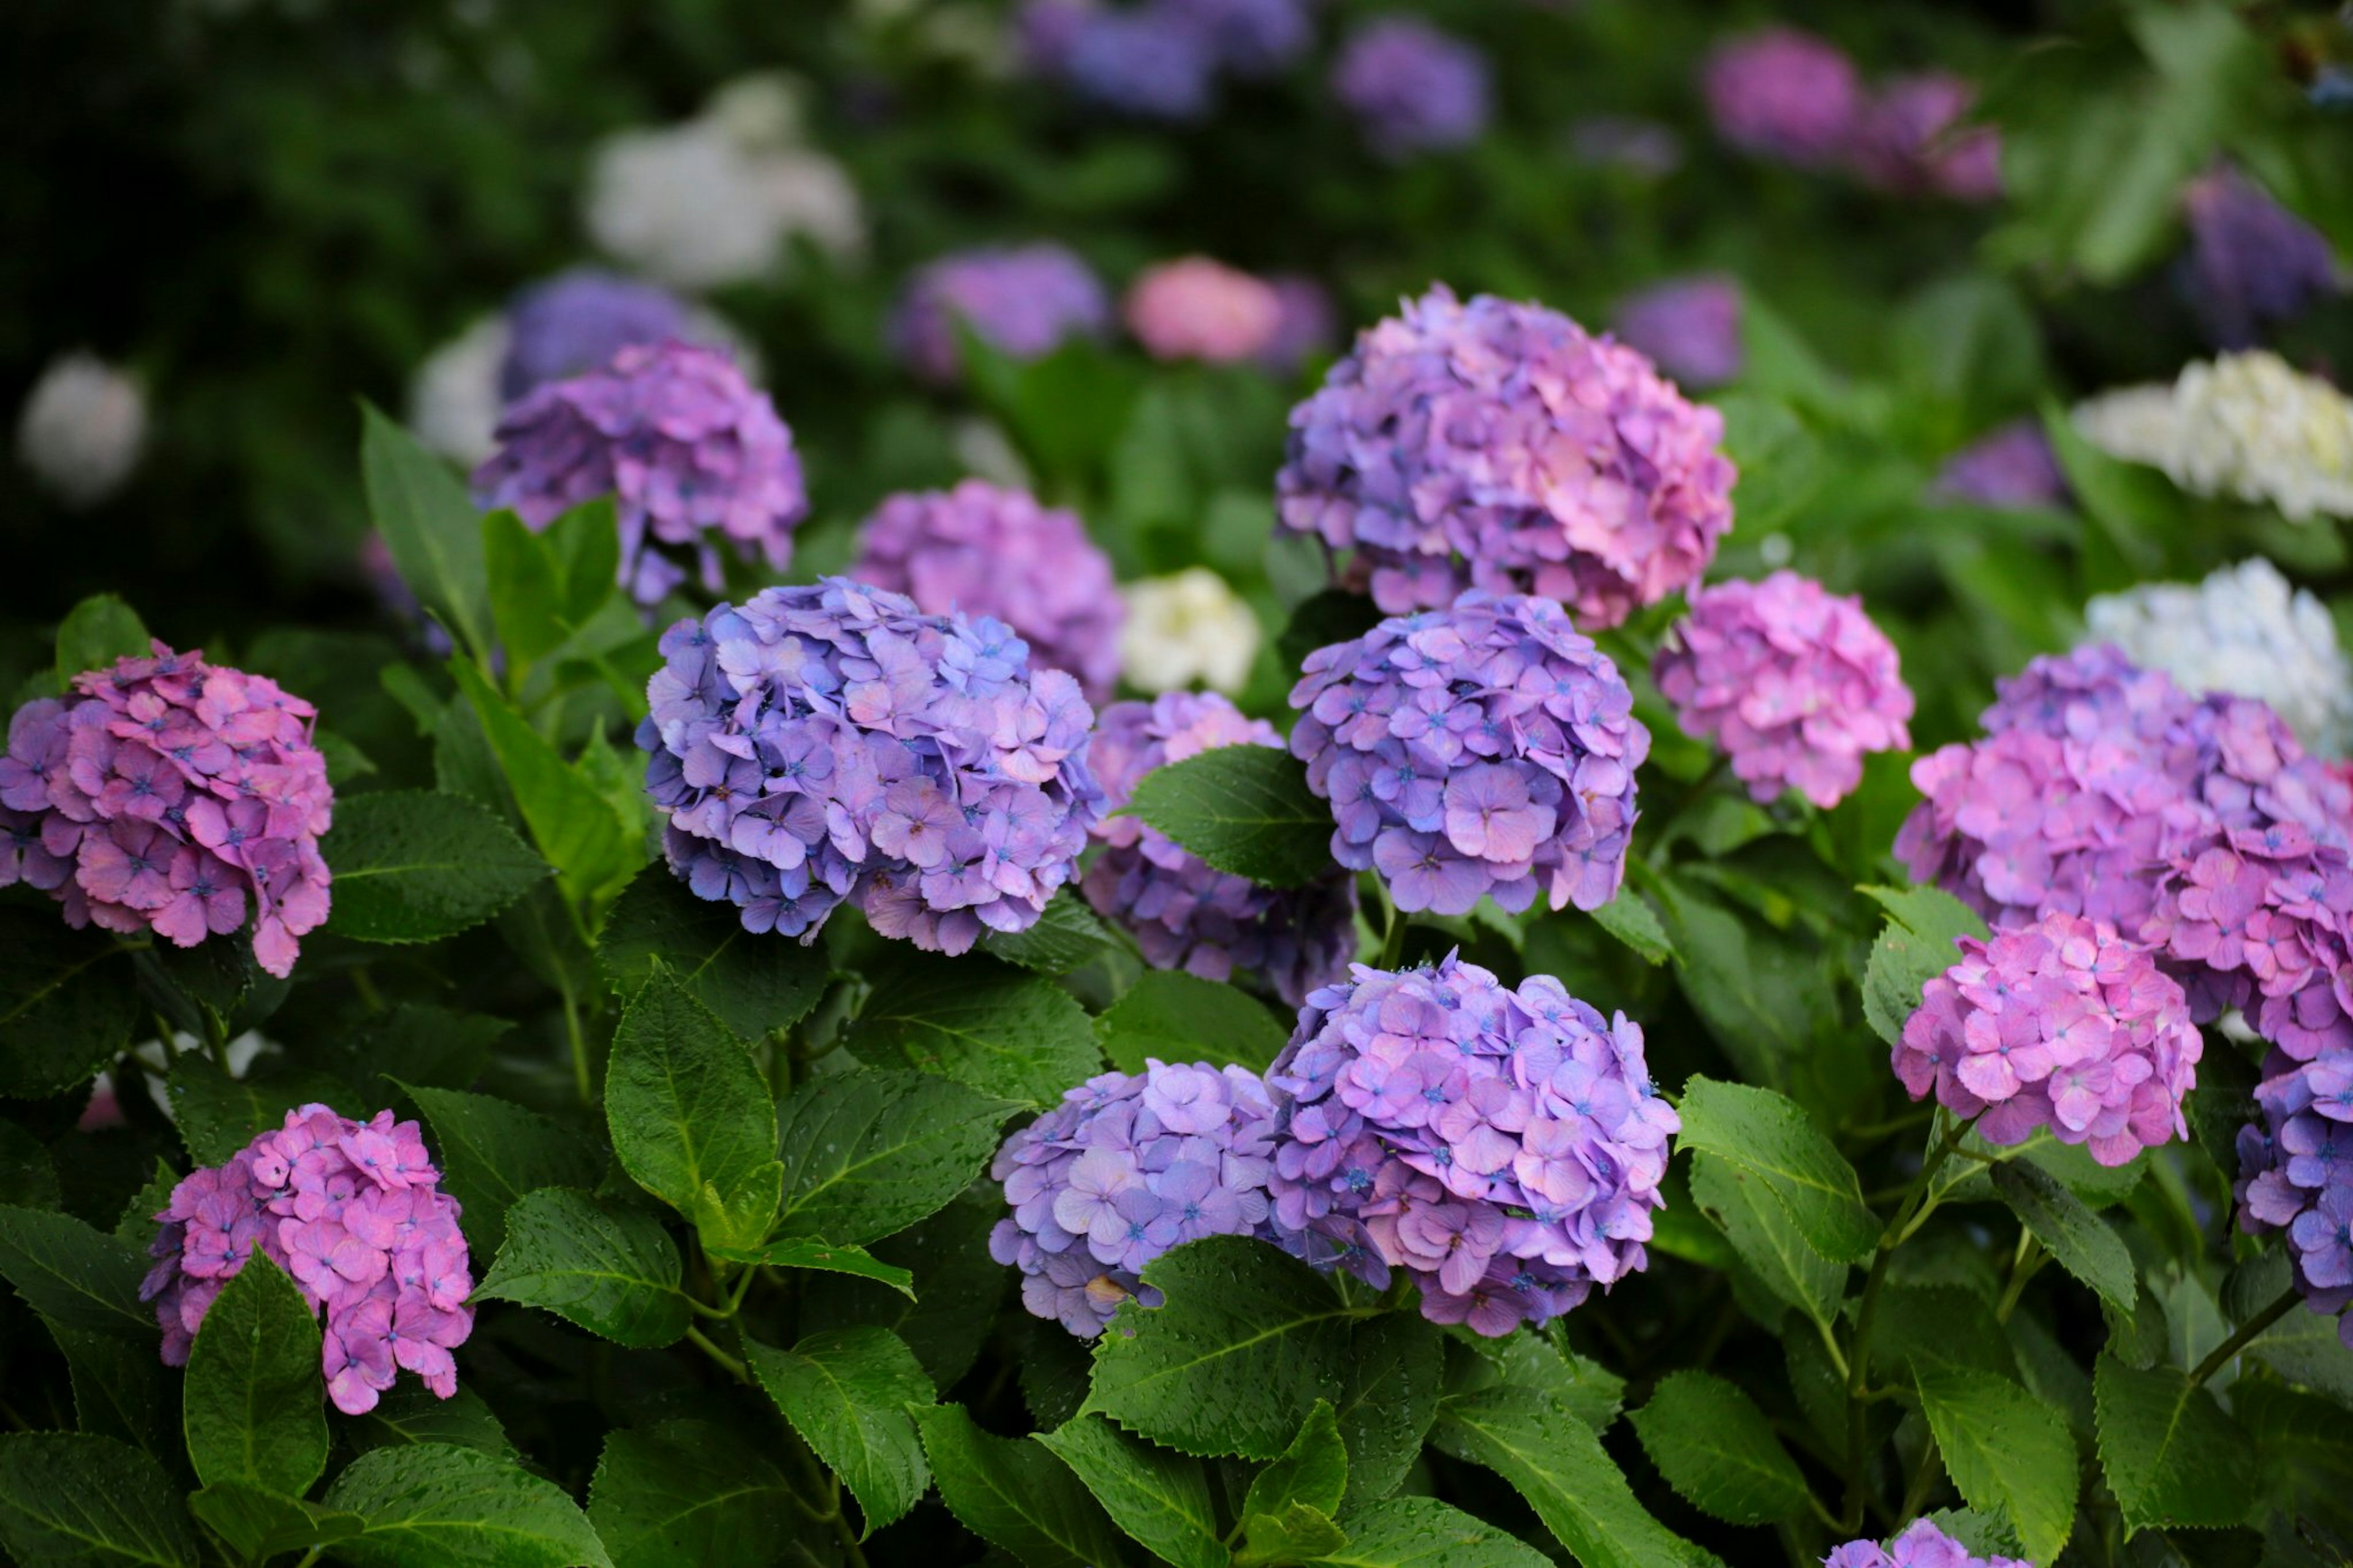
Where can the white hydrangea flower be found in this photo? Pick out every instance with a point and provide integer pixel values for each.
(1186, 628)
(2246, 631)
(453, 397)
(82, 429)
(2248, 425)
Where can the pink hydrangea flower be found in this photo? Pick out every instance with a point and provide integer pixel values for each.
(1906, 141)
(1194, 308)
(1785, 94)
(1922, 1545)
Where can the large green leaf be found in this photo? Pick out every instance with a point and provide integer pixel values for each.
(612, 1270)
(868, 1153)
(1715, 1448)
(1015, 1496)
(1173, 1017)
(120, 1389)
(1916, 946)
(1067, 936)
(252, 1405)
(810, 1252)
(690, 1492)
(757, 982)
(2007, 1453)
(1243, 809)
(949, 1309)
(74, 1276)
(72, 1501)
(2080, 1241)
(1552, 1458)
(1161, 1499)
(2171, 1456)
(1766, 1238)
(2307, 1451)
(993, 1028)
(1314, 1470)
(68, 1002)
(593, 846)
(411, 1413)
(1422, 1533)
(1635, 923)
(218, 1115)
(429, 1505)
(846, 1393)
(1388, 1396)
(546, 585)
(430, 526)
(415, 865)
(260, 1525)
(1767, 1136)
(493, 1152)
(95, 633)
(28, 1177)
(691, 1116)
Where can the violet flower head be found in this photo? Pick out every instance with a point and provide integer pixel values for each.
(1155, 61)
(1922, 1545)
(1254, 38)
(1485, 748)
(1305, 323)
(2252, 261)
(2296, 1174)
(2061, 1023)
(1502, 1148)
(576, 321)
(173, 795)
(2011, 468)
(693, 455)
(1783, 94)
(1688, 326)
(1024, 302)
(1908, 141)
(827, 743)
(1186, 914)
(2261, 919)
(1412, 87)
(978, 550)
(354, 1212)
(1500, 445)
(1194, 308)
(1794, 682)
(1127, 1166)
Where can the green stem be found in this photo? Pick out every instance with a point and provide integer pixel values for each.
(830, 1487)
(578, 1041)
(2221, 1355)
(2023, 1265)
(1392, 932)
(703, 1341)
(1924, 1472)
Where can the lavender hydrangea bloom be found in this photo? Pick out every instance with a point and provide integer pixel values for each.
(693, 455)
(978, 550)
(2252, 261)
(828, 742)
(1254, 38)
(2296, 1174)
(1500, 445)
(1690, 326)
(1024, 302)
(1905, 141)
(576, 321)
(2061, 1023)
(2012, 467)
(2261, 919)
(1783, 94)
(1922, 1545)
(1188, 915)
(1794, 682)
(355, 1213)
(1152, 60)
(169, 796)
(1412, 87)
(1488, 748)
(1127, 1166)
(1504, 1147)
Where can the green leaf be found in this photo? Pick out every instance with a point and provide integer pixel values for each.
(1715, 1448)
(1553, 1460)
(74, 1276)
(1243, 809)
(2007, 1453)
(614, 1272)
(28, 1177)
(691, 1116)
(252, 1405)
(2171, 1456)
(846, 1393)
(593, 848)
(2077, 1239)
(1161, 1499)
(419, 1042)
(544, 586)
(956, 1287)
(493, 1152)
(869, 1153)
(996, 1029)
(2306, 1448)
(1770, 1137)
(1014, 1495)
(260, 1525)
(758, 984)
(1067, 936)
(1422, 1533)
(1917, 946)
(1632, 922)
(219, 1115)
(1591, 1391)
(690, 1492)
(411, 1413)
(429, 1505)
(809, 1252)
(69, 1499)
(1294, 1533)
(430, 526)
(1314, 1470)
(68, 1002)
(415, 865)
(94, 634)
(1249, 1339)
(1388, 1396)
(118, 1389)
(1179, 1017)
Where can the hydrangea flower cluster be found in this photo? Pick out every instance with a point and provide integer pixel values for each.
(691, 453)
(831, 741)
(1024, 302)
(2248, 425)
(2252, 261)
(1194, 308)
(1161, 59)
(1188, 628)
(1783, 94)
(2296, 1174)
(978, 550)
(1502, 1148)
(1922, 1545)
(1500, 445)
(1794, 682)
(1904, 141)
(170, 794)
(355, 1213)
(1488, 748)
(576, 321)
(1127, 1166)
(2011, 468)
(2261, 919)
(1186, 914)
(2060, 1024)
(1412, 87)
(1690, 326)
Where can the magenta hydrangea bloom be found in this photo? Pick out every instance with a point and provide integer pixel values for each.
(979, 549)
(1922, 1545)
(1502, 1148)
(576, 321)
(2061, 1023)
(1907, 141)
(1690, 326)
(1127, 1166)
(693, 455)
(1783, 94)
(173, 795)
(1194, 308)
(828, 742)
(1488, 748)
(2261, 919)
(1024, 302)
(1793, 681)
(2252, 261)
(2296, 1174)
(1500, 445)
(355, 1213)
(1412, 87)
(2013, 466)
(1186, 914)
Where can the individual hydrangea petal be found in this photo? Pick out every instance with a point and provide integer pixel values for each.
(1783, 94)
(1194, 308)
(355, 1213)
(1186, 914)
(2249, 426)
(1502, 1148)
(2012, 467)
(1500, 445)
(1922, 1545)
(1187, 629)
(978, 550)
(1688, 326)
(2252, 261)
(1412, 87)
(1486, 748)
(1024, 302)
(576, 321)
(1794, 682)
(1905, 141)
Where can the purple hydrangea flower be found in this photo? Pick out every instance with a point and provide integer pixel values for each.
(1024, 302)
(1690, 326)
(1784, 94)
(355, 1213)
(1500, 445)
(172, 795)
(828, 742)
(2296, 1173)
(1188, 915)
(576, 321)
(691, 453)
(1488, 748)
(1794, 682)
(1502, 1148)
(2061, 1023)
(1254, 38)
(2261, 919)
(2012, 467)
(978, 550)
(1127, 1166)
(1305, 324)
(1905, 141)
(1153, 61)
(1412, 87)
(2252, 261)
(1922, 1545)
